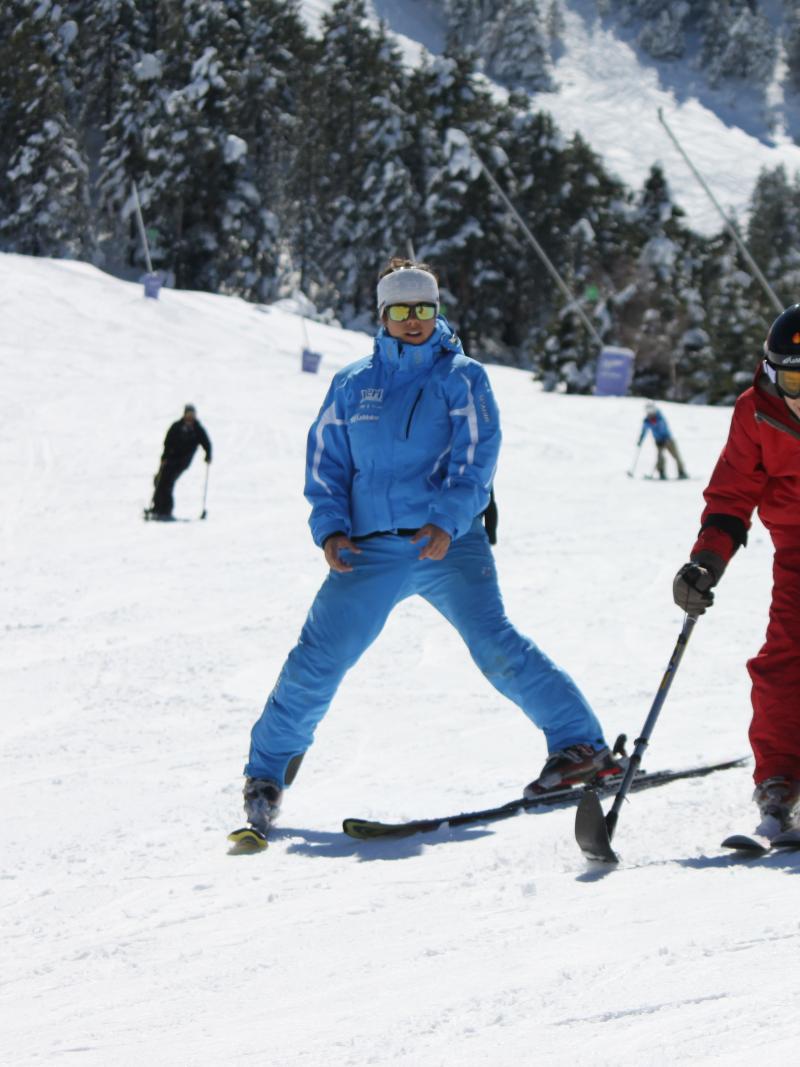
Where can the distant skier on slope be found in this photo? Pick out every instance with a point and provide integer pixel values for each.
(655, 423)
(180, 444)
(400, 462)
(759, 467)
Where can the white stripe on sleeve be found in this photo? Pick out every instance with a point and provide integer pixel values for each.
(327, 418)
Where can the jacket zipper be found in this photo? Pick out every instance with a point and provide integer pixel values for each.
(411, 413)
(776, 425)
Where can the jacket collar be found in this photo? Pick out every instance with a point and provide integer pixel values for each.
(442, 342)
(764, 379)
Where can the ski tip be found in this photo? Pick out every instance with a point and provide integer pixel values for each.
(247, 840)
(744, 843)
(787, 839)
(591, 831)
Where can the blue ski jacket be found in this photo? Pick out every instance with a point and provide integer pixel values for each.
(658, 425)
(406, 436)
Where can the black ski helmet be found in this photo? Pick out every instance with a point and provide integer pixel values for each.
(782, 346)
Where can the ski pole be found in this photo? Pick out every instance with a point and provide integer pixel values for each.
(635, 459)
(205, 494)
(593, 831)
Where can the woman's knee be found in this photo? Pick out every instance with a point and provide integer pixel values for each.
(502, 652)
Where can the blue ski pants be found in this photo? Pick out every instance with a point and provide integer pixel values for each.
(349, 612)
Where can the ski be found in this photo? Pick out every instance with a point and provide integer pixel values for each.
(753, 846)
(148, 516)
(756, 845)
(246, 841)
(368, 829)
(787, 839)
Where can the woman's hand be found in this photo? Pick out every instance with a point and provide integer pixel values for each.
(333, 546)
(438, 541)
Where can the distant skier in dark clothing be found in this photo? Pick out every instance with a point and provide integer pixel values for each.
(655, 422)
(180, 445)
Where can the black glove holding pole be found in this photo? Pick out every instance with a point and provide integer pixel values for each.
(693, 584)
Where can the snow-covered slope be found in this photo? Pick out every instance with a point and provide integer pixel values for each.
(610, 92)
(136, 656)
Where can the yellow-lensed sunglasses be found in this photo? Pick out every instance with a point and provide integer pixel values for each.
(401, 312)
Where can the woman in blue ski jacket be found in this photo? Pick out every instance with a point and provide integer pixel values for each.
(399, 469)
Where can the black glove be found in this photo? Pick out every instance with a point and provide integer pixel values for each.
(691, 588)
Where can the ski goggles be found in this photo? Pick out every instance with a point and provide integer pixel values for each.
(788, 381)
(402, 312)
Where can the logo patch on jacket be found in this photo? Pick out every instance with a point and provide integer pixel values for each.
(372, 396)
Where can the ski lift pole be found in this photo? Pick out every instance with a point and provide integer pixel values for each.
(728, 224)
(142, 232)
(540, 252)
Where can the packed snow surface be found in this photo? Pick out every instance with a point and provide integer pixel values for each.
(136, 656)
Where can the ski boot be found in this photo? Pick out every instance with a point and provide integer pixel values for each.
(574, 765)
(777, 800)
(262, 802)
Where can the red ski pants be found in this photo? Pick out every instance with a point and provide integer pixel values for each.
(775, 673)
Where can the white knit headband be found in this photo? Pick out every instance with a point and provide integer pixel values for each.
(407, 286)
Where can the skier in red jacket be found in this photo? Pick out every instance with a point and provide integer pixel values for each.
(759, 467)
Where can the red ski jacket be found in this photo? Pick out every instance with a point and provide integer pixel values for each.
(759, 467)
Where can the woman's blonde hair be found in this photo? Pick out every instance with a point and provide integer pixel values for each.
(399, 263)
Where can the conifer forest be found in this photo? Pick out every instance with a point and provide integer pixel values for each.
(270, 161)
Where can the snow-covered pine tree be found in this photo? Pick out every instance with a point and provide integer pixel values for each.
(466, 228)
(364, 198)
(738, 43)
(192, 113)
(584, 224)
(736, 325)
(730, 40)
(555, 24)
(664, 35)
(197, 151)
(277, 56)
(512, 38)
(791, 44)
(773, 233)
(266, 45)
(203, 122)
(112, 34)
(382, 222)
(353, 201)
(662, 306)
(125, 99)
(661, 25)
(43, 169)
(533, 148)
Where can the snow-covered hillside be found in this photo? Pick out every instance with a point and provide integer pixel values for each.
(610, 92)
(136, 656)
